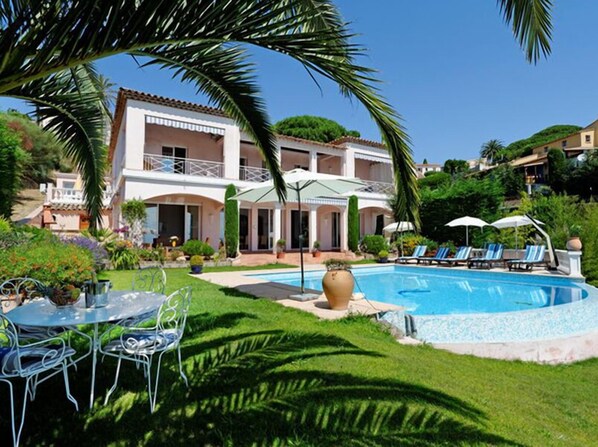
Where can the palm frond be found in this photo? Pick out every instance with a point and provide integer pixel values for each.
(72, 104)
(532, 25)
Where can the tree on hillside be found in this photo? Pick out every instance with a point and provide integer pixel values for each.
(434, 180)
(455, 167)
(46, 152)
(524, 147)
(47, 50)
(313, 128)
(557, 170)
(490, 149)
(12, 160)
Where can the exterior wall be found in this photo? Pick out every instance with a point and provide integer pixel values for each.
(290, 159)
(252, 154)
(200, 146)
(68, 221)
(330, 164)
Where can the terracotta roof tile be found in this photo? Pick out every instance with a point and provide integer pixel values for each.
(349, 139)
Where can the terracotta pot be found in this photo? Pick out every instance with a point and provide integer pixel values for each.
(11, 302)
(574, 244)
(316, 254)
(280, 255)
(338, 288)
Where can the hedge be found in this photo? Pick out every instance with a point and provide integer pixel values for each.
(353, 223)
(231, 222)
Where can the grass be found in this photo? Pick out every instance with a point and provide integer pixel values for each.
(262, 374)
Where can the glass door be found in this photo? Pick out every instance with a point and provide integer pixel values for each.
(178, 156)
(264, 229)
(151, 223)
(192, 222)
(295, 228)
(336, 230)
(244, 228)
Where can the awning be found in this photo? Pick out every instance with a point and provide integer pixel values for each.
(149, 119)
(362, 156)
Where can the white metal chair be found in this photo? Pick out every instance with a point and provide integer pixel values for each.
(30, 361)
(20, 290)
(141, 344)
(147, 279)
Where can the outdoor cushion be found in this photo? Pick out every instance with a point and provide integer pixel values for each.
(145, 341)
(33, 358)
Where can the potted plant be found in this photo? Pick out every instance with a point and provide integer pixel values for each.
(338, 283)
(383, 256)
(196, 263)
(574, 243)
(173, 240)
(280, 244)
(316, 249)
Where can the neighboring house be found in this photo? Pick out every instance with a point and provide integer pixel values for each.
(63, 209)
(479, 164)
(421, 169)
(535, 165)
(179, 157)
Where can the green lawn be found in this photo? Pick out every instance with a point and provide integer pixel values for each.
(262, 374)
(237, 268)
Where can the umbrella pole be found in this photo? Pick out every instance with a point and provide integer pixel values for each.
(466, 236)
(300, 238)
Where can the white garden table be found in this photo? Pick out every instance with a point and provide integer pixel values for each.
(121, 305)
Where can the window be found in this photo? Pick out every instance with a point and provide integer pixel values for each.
(588, 139)
(68, 185)
(546, 149)
(564, 143)
(177, 155)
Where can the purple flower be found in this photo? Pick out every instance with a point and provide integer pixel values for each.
(99, 254)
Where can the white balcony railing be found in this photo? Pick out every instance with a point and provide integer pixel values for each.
(251, 174)
(188, 166)
(69, 196)
(377, 187)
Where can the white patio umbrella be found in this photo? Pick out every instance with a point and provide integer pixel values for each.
(301, 185)
(399, 227)
(467, 221)
(514, 222)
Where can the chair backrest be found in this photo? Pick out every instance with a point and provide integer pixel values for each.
(490, 251)
(420, 250)
(150, 279)
(463, 253)
(528, 252)
(8, 333)
(498, 251)
(538, 253)
(172, 314)
(442, 252)
(21, 288)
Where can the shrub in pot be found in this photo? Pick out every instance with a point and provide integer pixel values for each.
(192, 247)
(280, 244)
(338, 283)
(574, 243)
(316, 249)
(383, 256)
(196, 263)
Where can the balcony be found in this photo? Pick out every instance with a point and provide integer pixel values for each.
(69, 196)
(377, 187)
(186, 166)
(252, 174)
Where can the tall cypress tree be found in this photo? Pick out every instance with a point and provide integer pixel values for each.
(231, 222)
(9, 170)
(353, 224)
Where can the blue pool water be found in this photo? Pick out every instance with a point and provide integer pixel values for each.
(446, 291)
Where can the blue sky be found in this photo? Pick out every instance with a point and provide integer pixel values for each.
(451, 68)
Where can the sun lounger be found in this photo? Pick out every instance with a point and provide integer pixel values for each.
(419, 251)
(533, 256)
(493, 255)
(441, 253)
(461, 257)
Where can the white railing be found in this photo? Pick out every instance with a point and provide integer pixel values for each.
(188, 166)
(377, 187)
(69, 196)
(252, 174)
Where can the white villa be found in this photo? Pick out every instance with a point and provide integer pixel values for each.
(179, 157)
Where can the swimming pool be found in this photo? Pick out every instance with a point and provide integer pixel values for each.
(436, 291)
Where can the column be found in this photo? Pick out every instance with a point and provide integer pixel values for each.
(231, 151)
(349, 163)
(344, 229)
(313, 161)
(253, 239)
(313, 225)
(575, 264)
(134, 139)
(277, 224)
(287, 230)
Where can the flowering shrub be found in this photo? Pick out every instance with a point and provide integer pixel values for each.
(55, 264)
(124, 256)
(98, 253)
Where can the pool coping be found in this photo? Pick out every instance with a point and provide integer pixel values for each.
(563, 349)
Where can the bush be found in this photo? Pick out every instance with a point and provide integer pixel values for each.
(154, 254)
(193, 247)
(55, 264)
(337, 264)
(383, 254)
(353, 224)
(231, 222)
(374, 243)
(123, 256)
(196, 260)
(207, 250)
(410, 241)
(175, 254)
(98, 253)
